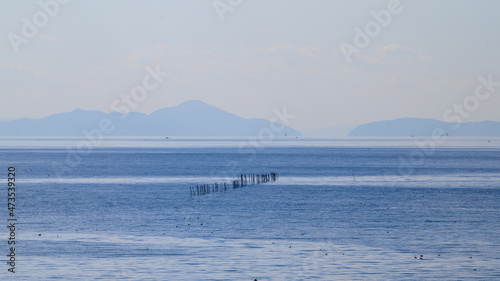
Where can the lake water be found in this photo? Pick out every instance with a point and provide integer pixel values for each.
(342, 209)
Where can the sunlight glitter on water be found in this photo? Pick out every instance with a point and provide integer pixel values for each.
(476, 180)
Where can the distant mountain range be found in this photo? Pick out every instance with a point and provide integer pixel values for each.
(191, 118)
(196, 118)
(406, 127)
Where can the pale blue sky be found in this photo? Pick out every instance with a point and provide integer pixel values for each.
(263, 55)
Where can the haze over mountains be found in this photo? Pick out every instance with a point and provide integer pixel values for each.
(191, 118)
(196, 118)
(407, 127)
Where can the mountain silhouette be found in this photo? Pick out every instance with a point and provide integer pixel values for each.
(191, 118)
(406, 127)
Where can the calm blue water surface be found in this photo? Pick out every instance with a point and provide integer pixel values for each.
(341, 209)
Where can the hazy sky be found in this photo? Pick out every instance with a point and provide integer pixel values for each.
(261, 55)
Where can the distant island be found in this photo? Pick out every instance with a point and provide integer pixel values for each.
(408, 127)
(191, 118)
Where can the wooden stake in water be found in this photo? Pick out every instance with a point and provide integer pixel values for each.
(243, 180)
